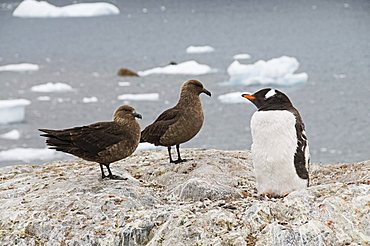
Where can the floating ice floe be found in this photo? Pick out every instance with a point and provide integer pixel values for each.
(339, 76)
(233, 97)
(96, 74)
(139, 97)
(42, 9)
(43, 98)
(11, 135)
(124, 83)
(20, 67)
(12, 111)
(199, 49)
(61, 100)
(28, 154)
(277, 71)
(188, 67)
(89, 99)
(8, 6)
(147, 146)
(241, 56)
(51, 87)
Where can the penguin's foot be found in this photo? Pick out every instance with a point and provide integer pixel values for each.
(273, 195)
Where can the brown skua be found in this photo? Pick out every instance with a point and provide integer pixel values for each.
(179, 124)
(102, 142)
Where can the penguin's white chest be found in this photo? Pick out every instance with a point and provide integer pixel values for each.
(274, 145)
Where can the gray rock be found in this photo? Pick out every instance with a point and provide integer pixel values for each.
(210, 200)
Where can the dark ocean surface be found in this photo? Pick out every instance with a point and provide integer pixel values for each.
(330, 39)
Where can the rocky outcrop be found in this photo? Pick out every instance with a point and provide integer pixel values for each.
(125, 72)
(209, 200)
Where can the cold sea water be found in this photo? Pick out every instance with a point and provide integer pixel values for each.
(330, 39)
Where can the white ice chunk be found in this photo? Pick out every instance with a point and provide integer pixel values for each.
(243, 56)
(139, 97)
(233, 97)
(278, 71)
(96, 74)
(14, 103)
(199, 49)
(42, 9)
(43, 98)
(188, 67)
(20, 67)
(89, 99)
(340, 76)
(147, 146)
(28, 154)
(12, 111)
(124, 83)
(51, 87)
(11, 135)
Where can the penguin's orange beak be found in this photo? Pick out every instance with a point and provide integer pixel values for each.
(248, 96)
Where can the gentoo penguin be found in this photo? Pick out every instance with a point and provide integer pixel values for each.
(102, 142)
(179, 124)
(280, 149)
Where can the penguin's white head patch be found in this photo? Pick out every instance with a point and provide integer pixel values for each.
(271, 93)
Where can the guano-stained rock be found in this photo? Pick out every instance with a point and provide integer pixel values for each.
(210, 200)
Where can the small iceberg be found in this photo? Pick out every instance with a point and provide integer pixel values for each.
(188, 67)
(20, 67)
(43, 98)
(42, 9)
(139, 97)
(233, 97)
(277, 71)
(89, 99)
(199, 49)
(12, 111)
(28, 154)
(124, 83)
(243, 56)
(51, 87)
(339, 76)
(11, 135)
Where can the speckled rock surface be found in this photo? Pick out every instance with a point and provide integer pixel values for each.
(209, 200)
